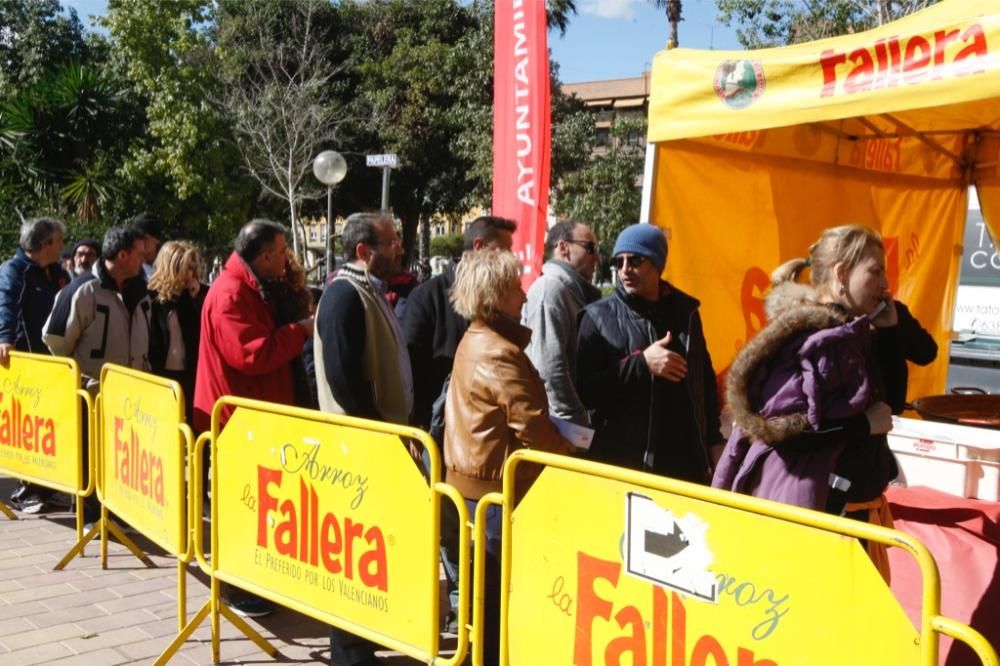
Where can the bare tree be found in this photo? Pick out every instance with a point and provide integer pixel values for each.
(275, 93)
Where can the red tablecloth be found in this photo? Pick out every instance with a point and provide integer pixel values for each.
(964, 537)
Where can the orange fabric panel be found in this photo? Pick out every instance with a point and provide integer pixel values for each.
(735, 216)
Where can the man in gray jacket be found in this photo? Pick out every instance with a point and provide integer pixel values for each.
(554, 301)
(103, 316)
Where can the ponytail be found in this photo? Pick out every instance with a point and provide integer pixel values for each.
(789, 271)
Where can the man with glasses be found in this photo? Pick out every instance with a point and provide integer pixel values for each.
(362, 364)
(551, 312)
(643, 369)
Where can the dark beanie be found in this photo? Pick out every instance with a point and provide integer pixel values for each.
(88, 242)
(646, 240)
(149, 224)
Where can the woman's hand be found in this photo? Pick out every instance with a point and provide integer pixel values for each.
(879, 418)
(887, 316)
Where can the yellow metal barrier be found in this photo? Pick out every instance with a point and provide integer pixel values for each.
(599, 561)
(41, 426)
(140, 454)
(329, 516)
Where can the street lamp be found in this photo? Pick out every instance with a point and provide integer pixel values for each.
(329, 168)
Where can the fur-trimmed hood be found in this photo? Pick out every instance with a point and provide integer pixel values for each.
(771, 395)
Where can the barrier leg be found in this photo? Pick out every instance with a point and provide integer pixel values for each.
(104, 536)
(215, 619)
(249, 631)
(7, 511)
(78, 548)
(184, 634)
(181, 595)
(78, 509)
(128, 543)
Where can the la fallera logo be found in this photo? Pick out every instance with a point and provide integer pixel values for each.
(738, 83)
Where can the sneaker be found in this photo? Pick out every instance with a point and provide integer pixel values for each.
(450, 623)
(252, 606)
(33, 504)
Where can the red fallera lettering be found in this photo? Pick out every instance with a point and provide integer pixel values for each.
(24, 431)
(318, 538)
(747, 138)
(954, 52)
(591, 607)
(137, 467)
(860, 78)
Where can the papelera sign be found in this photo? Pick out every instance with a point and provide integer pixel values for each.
(606, 573)
(385, 160)
(333, 517)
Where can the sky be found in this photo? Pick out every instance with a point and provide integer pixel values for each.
(607, 39)
(610, 39)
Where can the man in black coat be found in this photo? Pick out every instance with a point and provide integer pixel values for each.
(431, 326)
(643, 369)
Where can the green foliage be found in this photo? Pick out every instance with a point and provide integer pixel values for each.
(36, 36)
(447, 245)
(56, 137)
(186, 167)
(767, 23)
(605, 192)
(95, 127)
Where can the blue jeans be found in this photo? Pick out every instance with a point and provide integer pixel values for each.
(449, 557)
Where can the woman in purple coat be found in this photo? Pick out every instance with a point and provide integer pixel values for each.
(807, 393)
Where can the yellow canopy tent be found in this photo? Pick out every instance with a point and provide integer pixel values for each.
(753, 153)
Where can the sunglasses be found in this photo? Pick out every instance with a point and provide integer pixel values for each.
(633, 261)
(590, 247)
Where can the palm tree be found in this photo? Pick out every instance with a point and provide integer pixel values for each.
(55, 136)
(673, 10)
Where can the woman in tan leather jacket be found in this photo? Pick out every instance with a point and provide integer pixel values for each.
(496, 400)
(496, 404)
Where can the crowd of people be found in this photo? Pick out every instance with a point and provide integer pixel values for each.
(488, 369)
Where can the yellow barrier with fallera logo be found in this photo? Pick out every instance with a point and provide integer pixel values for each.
(330, 516)
(605, 565)
(40, 421)
(143, 447)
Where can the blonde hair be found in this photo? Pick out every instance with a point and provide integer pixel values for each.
(846, 244)
(169, 276)
(481, 282)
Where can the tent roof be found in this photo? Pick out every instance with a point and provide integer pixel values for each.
(934, 71)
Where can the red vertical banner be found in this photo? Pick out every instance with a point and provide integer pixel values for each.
(522, 126)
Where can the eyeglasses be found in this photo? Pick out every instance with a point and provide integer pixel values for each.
(392, 242)
(590, 247)
(633, 261)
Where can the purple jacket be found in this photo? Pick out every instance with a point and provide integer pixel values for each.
(807, 367)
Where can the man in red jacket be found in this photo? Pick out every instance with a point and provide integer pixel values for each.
(243, 351)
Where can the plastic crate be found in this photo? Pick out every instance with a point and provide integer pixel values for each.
(955, 459)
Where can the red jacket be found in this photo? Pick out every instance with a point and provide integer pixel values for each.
(242, 352)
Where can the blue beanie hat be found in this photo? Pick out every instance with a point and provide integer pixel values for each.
(644, 239)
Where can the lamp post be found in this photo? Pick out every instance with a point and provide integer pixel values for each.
(329, 168)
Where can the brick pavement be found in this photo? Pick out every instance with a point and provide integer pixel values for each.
(125, 614)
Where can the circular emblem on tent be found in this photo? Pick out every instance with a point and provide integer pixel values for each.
(739, 82)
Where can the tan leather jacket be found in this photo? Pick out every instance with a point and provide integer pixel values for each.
(496, 404)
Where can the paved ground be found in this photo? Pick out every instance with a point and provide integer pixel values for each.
(125, 614)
